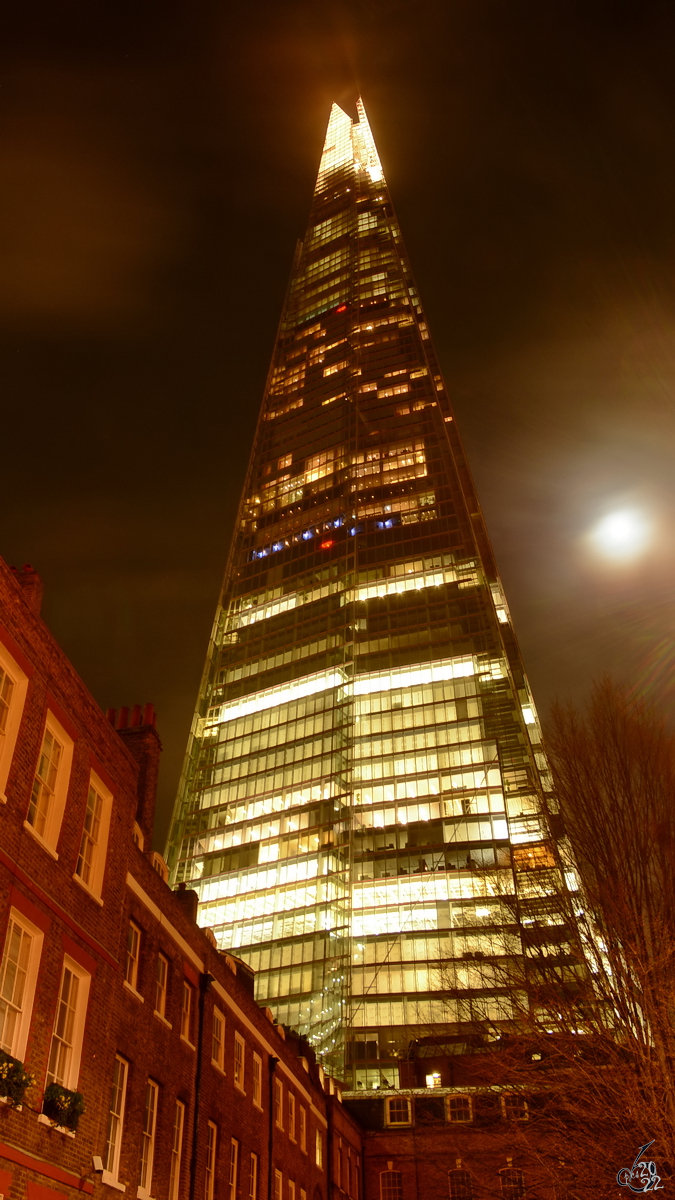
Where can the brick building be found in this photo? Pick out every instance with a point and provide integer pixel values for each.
(456, 1129)
(110, 994)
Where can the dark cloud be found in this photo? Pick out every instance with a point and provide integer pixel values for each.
(157, 163)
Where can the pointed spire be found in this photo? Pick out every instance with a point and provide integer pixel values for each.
(347, 142)
(362, 131)
(337, 149)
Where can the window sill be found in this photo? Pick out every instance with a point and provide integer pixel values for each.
(43, 1120)
(186, 1042)
(133, 991)
(87, 889)
(239, 1088)
(217, 1067)
(143, 1194)
(3, 798)
(41, 841)
(160, 1017)
(108, 1178)
(258, 1106)
(6, 1100)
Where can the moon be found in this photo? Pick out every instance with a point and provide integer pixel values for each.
(621, 535)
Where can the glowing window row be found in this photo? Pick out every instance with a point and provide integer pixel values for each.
(405, 577)
(310, 922)
(405, 512)
(396, 679)
(385, 1014)
(308, 650)
(309, 295)
(286, 756)
(255, 904)
(388, 979)
(276, 781)
(439, 735)
(384, 768)
(367, 795)
(303, 731)
(332, 228)
(325, 265)
(285, 378)
(255, 892)
(423, 786)
(236, 745)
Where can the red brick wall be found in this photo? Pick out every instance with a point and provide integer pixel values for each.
(36, 1156)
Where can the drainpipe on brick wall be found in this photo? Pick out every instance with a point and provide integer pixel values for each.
(205, 981)
(329, 1146)
(272, 1064)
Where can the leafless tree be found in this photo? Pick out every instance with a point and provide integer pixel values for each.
(592, 1041)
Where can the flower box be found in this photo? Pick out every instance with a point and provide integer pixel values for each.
(63, 1107)
(15, 1080)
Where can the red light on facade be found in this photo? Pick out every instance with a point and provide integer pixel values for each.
(341, 308)
(327, 545)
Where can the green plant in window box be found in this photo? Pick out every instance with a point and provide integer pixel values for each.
(15, 1080)
(62, 1106)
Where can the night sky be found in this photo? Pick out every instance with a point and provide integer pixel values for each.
(157, 164)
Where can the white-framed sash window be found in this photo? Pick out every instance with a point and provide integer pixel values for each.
(18, 975)
(113, 1140)
(50, 785)
(13, 688)
(66, 1045)
(148, 1138)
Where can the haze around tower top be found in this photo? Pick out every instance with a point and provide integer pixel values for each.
(157, 166)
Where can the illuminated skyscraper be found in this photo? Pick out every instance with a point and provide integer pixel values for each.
(365, 745)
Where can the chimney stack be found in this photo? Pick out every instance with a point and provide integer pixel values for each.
(31, 585)
(137, 730)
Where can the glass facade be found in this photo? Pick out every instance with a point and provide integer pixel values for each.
(360, 796)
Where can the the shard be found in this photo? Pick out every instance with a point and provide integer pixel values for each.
(364, 762)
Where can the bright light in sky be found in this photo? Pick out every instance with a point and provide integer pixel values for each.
(621, 535)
